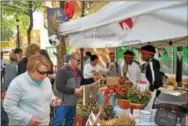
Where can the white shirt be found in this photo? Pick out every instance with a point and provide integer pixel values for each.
(133, 73)
(88, 68)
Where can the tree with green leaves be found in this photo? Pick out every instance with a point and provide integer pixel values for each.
(21, 8)
(7, 31)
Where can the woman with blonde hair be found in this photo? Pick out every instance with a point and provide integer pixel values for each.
(30, 94)
(31, 50)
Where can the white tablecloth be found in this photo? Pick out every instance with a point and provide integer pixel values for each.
(138, 120)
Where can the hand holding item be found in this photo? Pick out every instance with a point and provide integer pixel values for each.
(78, 90)
(56, 102)
(34, 121)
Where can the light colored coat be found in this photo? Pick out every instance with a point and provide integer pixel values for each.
(24, 99)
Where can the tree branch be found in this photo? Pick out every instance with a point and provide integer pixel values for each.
(36, 7)
(13, 8)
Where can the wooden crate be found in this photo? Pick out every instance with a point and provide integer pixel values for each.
(93, 119)
(110, 80)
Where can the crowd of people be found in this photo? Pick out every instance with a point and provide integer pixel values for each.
(27, 91)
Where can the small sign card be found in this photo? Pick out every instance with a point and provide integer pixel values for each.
(164, 118)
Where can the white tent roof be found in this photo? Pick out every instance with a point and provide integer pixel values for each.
(127, 23)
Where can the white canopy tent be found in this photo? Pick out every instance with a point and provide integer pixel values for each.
(128, 23)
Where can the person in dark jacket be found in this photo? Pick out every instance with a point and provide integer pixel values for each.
(68, 86)
(151, 67)
(32, 49)
(19, 53)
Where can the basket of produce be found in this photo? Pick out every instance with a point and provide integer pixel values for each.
(122, 100)
(138, 100)
(170, 84)
(102, 113)
(122, 120)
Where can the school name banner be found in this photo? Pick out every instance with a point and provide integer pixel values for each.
(128, 23)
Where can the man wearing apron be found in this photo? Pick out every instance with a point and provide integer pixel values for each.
(152, 71)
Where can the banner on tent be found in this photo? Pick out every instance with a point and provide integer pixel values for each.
(115, 34)
(161, 52)
(170, 53)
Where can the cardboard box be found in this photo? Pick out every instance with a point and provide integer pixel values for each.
(110, 80)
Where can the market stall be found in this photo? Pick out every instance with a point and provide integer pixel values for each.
(121, 24)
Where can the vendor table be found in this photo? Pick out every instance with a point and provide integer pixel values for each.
(138, 120)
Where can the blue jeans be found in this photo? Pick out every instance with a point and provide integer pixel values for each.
(64, 112)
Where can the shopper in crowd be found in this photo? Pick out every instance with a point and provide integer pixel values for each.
(19, 53)
(92, 70)
(68, 86)
(31, 50)
(28, 98)
(113, 65)
(11, 70)
(10, 73)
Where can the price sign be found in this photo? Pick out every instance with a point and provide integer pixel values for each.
(164, 118)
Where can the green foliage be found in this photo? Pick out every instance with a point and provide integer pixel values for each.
(108, 113)
(12, 10)
(121, 97)
(83, 113)
(7, 31)
(132, 97)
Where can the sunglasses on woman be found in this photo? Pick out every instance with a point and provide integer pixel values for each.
(42, 72)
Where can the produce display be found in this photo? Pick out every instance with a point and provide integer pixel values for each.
(170, 84)
(138, 97)
(108, 113)
(122, 120)
(128, 97)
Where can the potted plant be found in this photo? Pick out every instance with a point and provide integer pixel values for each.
(121, 97)
(108, 113)
(82, 117)
(138, 100)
